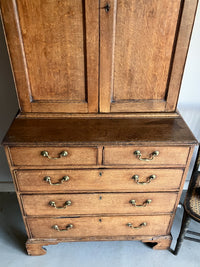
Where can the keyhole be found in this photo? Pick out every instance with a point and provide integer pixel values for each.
(100, 174)
(107, 8)
(100, 198)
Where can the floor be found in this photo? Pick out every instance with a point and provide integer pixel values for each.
(86, 254)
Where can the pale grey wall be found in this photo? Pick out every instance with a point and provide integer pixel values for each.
(8, 108)
(189, 100)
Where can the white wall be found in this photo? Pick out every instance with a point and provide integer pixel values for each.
(188, 105)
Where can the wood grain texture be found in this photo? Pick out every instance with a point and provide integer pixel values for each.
(56, 70)
(99, 115)
(92, 47)
(98, 180)
(32, 156)
(124, 155)
(143, 48)
(160, 242)
(92, 228)
(100, 131)
(36, 248)
(182, 182)
(183, 40)
(95, 204)
(107, 42)
(53, 37)
(16, 52)
(137, 47)
(59, 44)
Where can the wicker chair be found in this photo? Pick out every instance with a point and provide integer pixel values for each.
(191, 207)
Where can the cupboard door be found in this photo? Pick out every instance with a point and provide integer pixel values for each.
(54, 52)
(143, 45)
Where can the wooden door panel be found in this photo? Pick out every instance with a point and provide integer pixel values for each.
(60, 60)
(146, 30)
(139, 46)
(55, 54)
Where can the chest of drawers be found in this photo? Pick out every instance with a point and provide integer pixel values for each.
(81, 187)
(98, 151)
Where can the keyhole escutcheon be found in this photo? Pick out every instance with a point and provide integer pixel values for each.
(107, 7)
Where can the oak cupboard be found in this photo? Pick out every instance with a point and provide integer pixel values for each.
(98, 150)
(90, 56)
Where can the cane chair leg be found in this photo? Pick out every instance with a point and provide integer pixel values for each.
(185, 224)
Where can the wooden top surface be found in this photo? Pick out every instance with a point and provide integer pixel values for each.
(98, 131)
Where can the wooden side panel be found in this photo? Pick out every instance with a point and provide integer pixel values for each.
(16, 52)
(60, 61)
(188, 15)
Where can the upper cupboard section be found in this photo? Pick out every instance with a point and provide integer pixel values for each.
(90, 56)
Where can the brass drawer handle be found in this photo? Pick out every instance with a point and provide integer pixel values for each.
(48, 180)
(149, 179)
(147, 202)
(137, 227)
(68, 227)
(53, 204)
(151, 156)
(61, 154)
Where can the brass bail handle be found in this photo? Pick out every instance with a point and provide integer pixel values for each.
(61, 154)
(148, 181)
(137, 227)
(147, 202)
(68, 227)
(48, 180)
(53, 204)
(138, 155)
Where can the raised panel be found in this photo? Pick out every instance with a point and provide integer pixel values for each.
(58, 41)
(53, 38)
(138, 47)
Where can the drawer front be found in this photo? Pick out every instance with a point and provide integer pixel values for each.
(127, 155)
(53, 156)
(105, 203)
(139, 180)
(98, 226)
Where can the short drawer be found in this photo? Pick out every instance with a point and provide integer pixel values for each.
(98, 226)
(105, 203)
(139, 180)
(53, 156)
(148, 156)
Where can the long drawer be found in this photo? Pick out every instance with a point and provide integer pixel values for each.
(53, 156)
(105, 203)
(98, 226)
(99, 180)
(148, 156)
